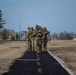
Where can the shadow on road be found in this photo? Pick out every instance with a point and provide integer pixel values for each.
(32, 63)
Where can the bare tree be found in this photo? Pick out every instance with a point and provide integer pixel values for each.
(55, 36)
(65, 36)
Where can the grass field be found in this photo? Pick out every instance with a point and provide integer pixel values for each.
(65, 50)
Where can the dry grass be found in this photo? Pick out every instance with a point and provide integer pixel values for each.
(66, 50)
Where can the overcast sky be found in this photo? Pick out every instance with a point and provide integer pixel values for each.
(56, 15)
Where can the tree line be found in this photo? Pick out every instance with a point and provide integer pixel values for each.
(5, 34)
(63, 36)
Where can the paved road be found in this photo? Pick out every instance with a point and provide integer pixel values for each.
(32, 63)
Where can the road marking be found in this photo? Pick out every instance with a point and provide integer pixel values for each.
(38, 58)
(28, 59)
(39, 70)
(37, 55)
(38, 63)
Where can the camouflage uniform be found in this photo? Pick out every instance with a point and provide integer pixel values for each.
(40, 38)
(36, 39)
(45, 39)
(32, 39)
(28, 38)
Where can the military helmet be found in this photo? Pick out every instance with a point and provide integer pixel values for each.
(36, 27)
(28, 28)
(44, 28)
(39, 27)
(32, 28)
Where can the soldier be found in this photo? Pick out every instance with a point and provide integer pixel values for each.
(37, 39)
(32, 38)
(45, 39)
(28, 38)
(40, 38)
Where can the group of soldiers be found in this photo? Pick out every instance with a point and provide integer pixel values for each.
(37, 38)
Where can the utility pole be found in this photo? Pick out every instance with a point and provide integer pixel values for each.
(19, 23)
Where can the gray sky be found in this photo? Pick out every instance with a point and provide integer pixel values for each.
(56, 15)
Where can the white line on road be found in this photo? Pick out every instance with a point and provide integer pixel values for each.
(38, 63)
(38, 58)
(39, 70)
(37, 55)
(28, 59)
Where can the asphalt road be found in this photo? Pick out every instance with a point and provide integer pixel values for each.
(32, 63)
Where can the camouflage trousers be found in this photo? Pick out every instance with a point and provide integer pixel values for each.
(37, 44)
(44, 45)
(29, 45)
(32, 44)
